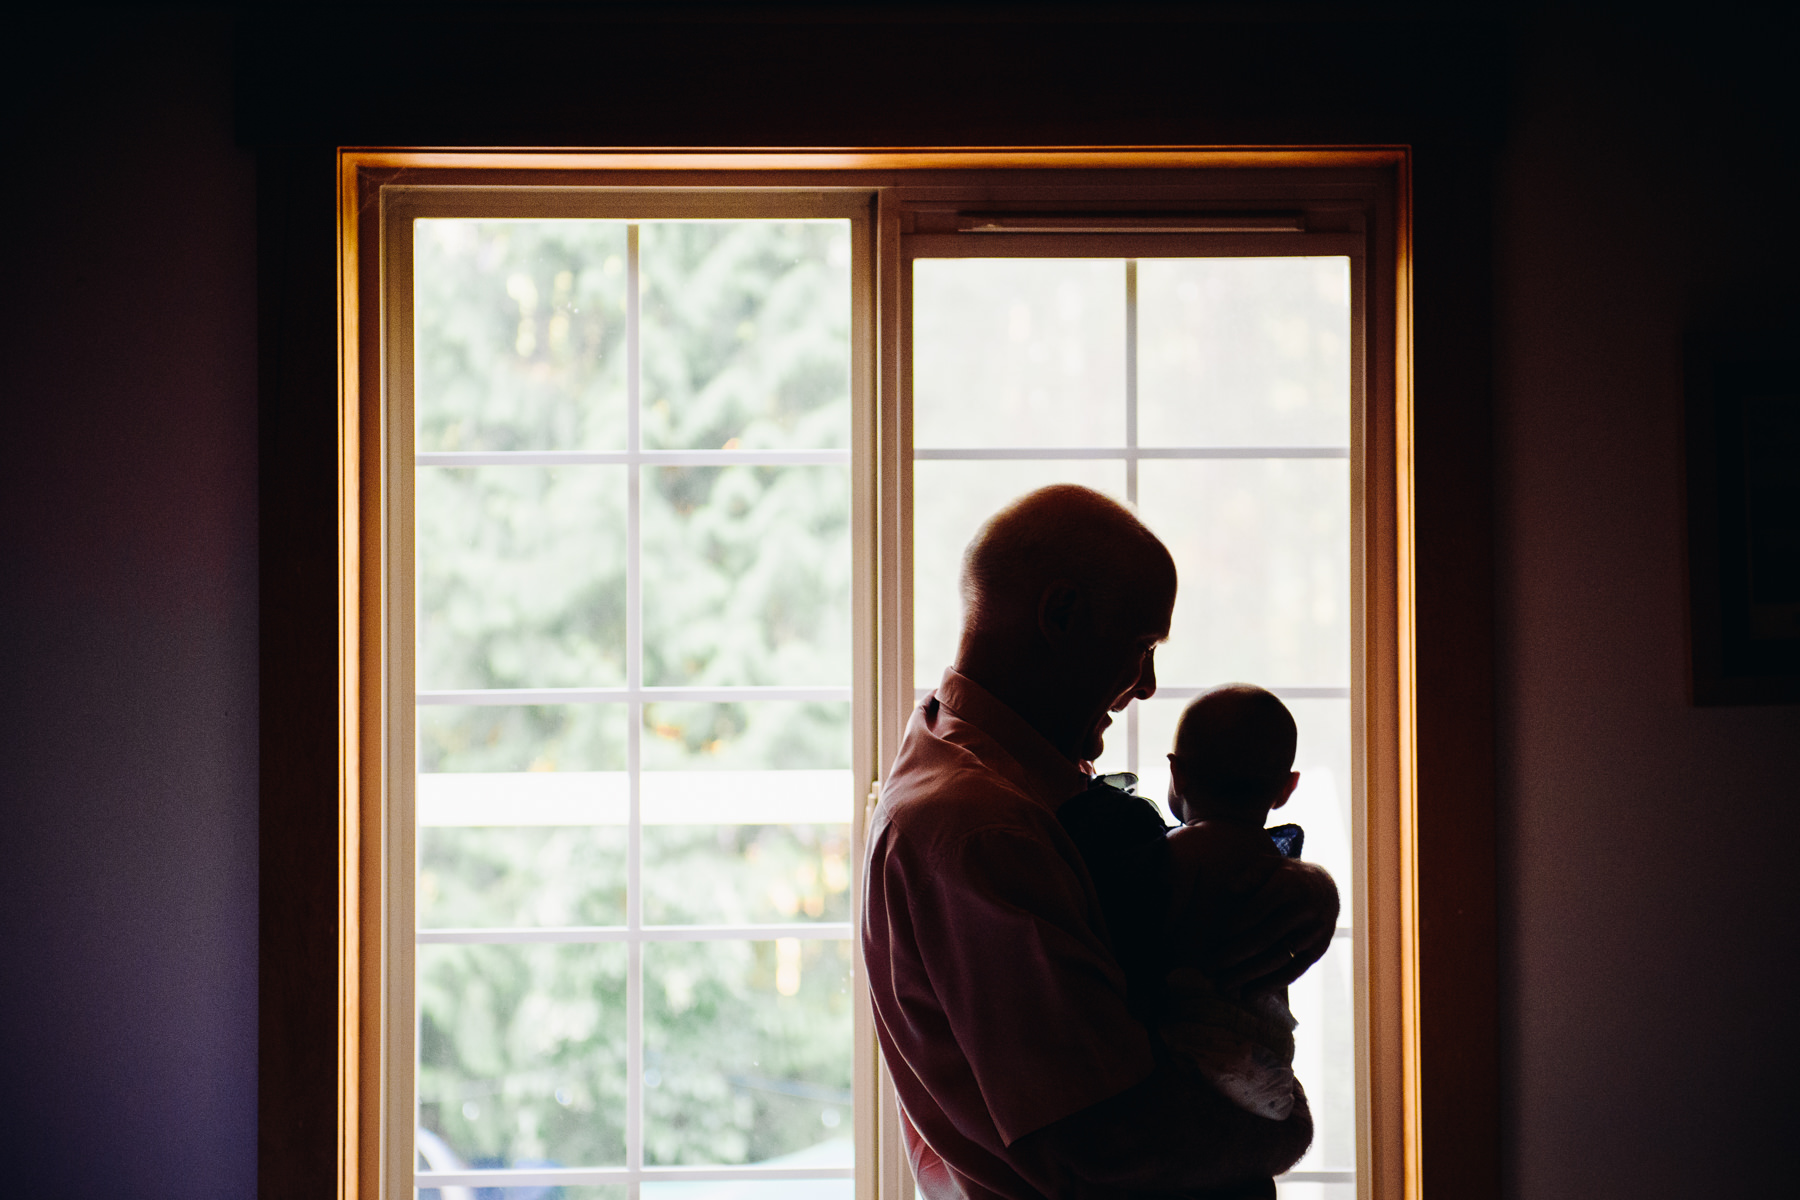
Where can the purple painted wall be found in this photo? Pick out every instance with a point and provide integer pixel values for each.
(1648, 896)
(128, 803)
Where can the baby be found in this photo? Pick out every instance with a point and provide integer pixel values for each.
(1167, 895)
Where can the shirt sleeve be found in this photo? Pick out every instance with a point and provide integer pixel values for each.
(1005, 933)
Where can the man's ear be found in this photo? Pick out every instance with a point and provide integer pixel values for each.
(1060, 611)
(1287, 789)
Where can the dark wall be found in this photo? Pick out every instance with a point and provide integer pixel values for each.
(1639, 189)
(128, 621)
(1648, 901)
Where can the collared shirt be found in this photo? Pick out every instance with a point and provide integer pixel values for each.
(998, 1002)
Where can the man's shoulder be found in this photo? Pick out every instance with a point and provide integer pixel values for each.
(955, 792)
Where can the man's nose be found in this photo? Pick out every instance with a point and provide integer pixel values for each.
(1146, 684)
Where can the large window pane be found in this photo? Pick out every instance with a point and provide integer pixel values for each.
(950, 501)
(746, 334)
(746, 575)
(521, 335)
(1018, 352)
(522, 1053)
(521, 576)
(1244, 352)
(1230, 354)
(548, 576)
(1263, 551)
(746, 1050)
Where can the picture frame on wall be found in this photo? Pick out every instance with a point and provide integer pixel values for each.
(1743, 484)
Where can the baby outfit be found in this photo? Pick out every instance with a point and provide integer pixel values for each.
(1244, 1047)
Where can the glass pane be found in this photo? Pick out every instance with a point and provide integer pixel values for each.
(1244, 352)
(746, 1051)
(521, 577)
(950, 501)
(522, 1054)
(746, 575)
(746, 334)
(746, 812)
(1322, 804)
(521, 335)
(500, 876)
(1018, 352)
(522, 848)
(1263, 551)
(760, 735)
(1325, 1056)
(530, 738)
(748, 873)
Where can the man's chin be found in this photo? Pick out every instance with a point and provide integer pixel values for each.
(1095, 744)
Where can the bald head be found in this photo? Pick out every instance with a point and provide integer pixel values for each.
(1065, 598)
(1063, 534)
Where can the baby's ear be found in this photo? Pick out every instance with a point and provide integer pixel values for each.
(1178, 780)
(1287, 789)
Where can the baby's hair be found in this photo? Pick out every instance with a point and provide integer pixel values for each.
(1237, 742)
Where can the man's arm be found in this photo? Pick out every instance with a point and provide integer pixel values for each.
(1170, 1133)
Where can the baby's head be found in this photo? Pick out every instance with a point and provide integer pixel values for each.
(1234, 756)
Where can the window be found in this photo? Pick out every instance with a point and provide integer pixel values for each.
(662, 504)
(1214, 395)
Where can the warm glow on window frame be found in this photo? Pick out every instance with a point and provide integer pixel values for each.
(904, 192)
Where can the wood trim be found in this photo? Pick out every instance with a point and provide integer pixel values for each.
(353, 1079)
(739, 160)
(1406, 731)
(1392, 1157)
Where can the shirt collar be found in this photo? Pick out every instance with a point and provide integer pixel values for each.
(1052, 777)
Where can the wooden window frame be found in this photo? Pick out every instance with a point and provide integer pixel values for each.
(1373, 186)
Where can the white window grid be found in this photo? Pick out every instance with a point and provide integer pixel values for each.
(633, 696)
(1132, 453)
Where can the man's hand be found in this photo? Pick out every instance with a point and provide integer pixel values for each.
(1283, 928)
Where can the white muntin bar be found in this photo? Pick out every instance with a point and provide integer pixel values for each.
(1131, 464)
(1180, 691)
(635, 695)
(1127, 453)
(655, 458)
(634, 717)
(1176, 691)
(576, 1176)
(1131, 382)
(566, 935)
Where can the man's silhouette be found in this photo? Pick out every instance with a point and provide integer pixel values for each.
(1000, 1008)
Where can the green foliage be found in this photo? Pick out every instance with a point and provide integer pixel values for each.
(521, 345)
(522, 1047)
(521, 570)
